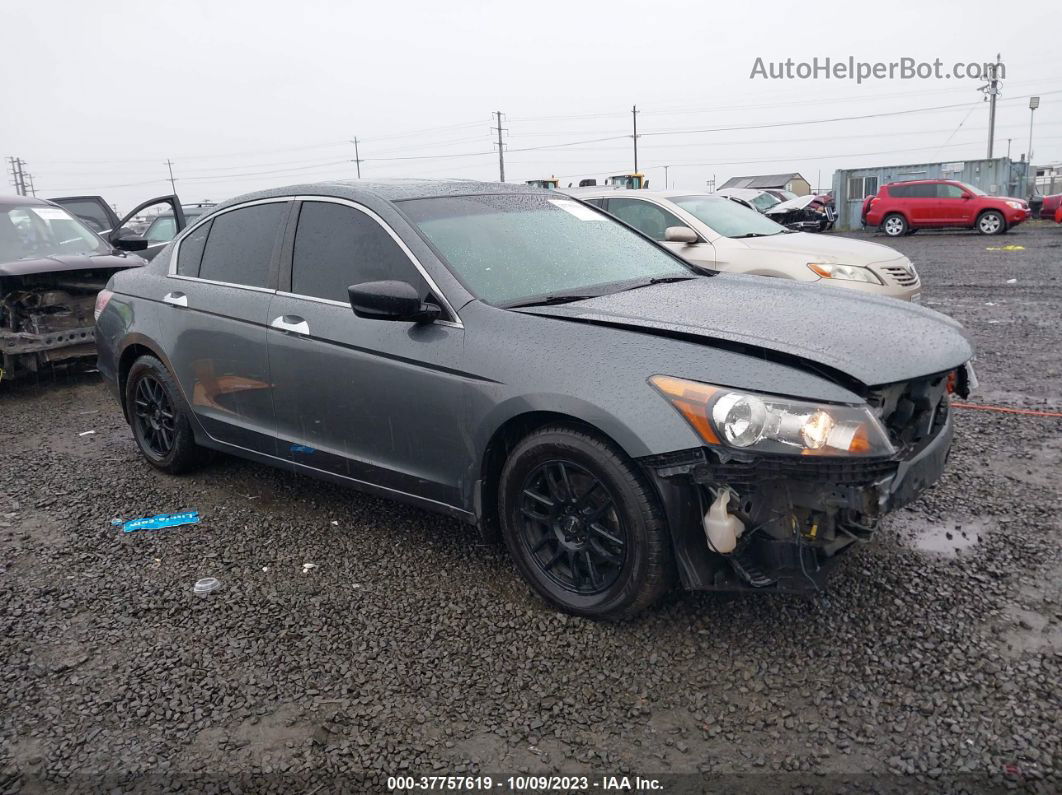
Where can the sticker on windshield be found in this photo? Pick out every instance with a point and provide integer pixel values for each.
(578, 210)
(51, 213)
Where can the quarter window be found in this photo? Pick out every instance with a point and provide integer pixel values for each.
(190, 254)
(337, 246)
(239, 247)
(645, 217)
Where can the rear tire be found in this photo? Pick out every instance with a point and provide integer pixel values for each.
(894, 225)
(991, 223)
(583, 526)
(160, 418)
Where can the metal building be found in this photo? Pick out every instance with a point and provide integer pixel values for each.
(1000, 176)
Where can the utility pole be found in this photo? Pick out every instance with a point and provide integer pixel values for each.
(665, 176)
(1008, 147)
(991, 91)
(357, 157)
(32, 187)
(634, 116)
(16, 175)
(1034, 103)
(173, 185)
(501, 147)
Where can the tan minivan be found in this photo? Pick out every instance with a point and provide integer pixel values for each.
(717, 233)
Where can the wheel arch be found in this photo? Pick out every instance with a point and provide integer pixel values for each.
(504, 438)
(135, 346)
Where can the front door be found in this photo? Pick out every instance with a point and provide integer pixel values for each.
(379, 402)
(220, 284)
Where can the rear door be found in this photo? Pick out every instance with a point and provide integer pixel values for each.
(375, 401)
(222, 278)
(99, 216)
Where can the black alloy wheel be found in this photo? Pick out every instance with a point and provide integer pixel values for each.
(156, 422)
(571, 528)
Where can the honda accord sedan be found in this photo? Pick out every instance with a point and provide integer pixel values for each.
(522, 361)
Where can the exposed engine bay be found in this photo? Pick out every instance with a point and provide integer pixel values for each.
(47, 318)
(745, 520)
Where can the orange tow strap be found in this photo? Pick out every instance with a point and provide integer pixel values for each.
(1005, 410)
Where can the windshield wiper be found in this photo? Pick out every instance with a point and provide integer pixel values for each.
(752, 234)
(550, 299)
(657, 280)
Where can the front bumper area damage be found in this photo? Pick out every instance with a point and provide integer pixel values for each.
(796, 515)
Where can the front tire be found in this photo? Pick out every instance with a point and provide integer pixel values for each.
(160, 418)
(894, 225)
(583, 526)
(991, 223)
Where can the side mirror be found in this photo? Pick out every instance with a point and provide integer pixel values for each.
(391, 300)
(967, 195)
(680, 234)
(130, 243)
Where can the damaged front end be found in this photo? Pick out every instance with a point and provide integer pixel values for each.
(745, 514)
(47, 318)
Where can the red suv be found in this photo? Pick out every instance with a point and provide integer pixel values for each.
(902, 208)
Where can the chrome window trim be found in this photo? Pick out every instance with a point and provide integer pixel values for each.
(172, 270)
(456, 323)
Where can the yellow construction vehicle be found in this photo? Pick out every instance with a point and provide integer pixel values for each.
(548, 184)
(632, 181)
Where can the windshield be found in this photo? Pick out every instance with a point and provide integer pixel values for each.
(973, 190)
(39, 230)
(728, 218)
(764, 201)
(511, 248)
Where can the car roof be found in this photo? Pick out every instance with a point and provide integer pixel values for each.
(22, 201)
(390, 190)
(602, 193)
(919, 181)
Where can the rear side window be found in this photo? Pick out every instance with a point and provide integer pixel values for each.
(337, 246)
(239, 247)
(645, 217)
(190, 254)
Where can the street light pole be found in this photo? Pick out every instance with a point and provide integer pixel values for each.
(1034, 103)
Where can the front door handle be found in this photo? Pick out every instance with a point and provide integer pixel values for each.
(292, 323)
(176, 299)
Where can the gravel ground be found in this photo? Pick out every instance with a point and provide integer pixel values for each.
(932, 664)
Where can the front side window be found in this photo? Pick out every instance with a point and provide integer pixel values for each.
(728, 218)
(30, 231)
(975, 191)
(647, 218)
(239, 247)
(162, 229)
(511, 248)
(764, 202)
(337, 246)
(945, 191)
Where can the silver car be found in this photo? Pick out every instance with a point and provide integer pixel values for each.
(712, 232)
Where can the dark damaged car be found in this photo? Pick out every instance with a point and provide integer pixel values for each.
(521, 361)
(51, 268)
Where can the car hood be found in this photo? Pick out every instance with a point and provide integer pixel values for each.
(799, 203)
(824, 248)
(80, 262)
(873, 340)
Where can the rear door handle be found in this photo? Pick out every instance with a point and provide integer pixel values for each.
(292, 323)
(176, 299)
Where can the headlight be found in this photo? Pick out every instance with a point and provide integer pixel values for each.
(850, 273)
(749, 421)
(1015, 205)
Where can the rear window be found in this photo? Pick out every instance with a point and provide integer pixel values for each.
(240, 244)
(190, 254)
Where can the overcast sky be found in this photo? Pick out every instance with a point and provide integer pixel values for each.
(244, 95)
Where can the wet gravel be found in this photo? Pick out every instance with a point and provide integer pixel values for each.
(409, 647)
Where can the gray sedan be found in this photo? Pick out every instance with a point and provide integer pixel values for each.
(520, 360)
